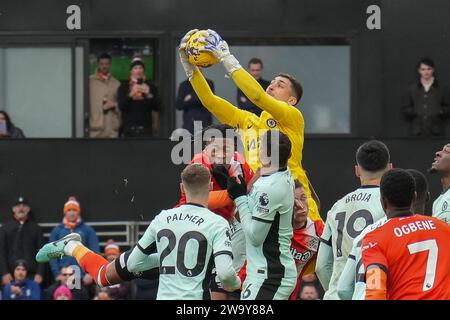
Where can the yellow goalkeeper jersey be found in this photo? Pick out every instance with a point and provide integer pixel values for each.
(276, 115)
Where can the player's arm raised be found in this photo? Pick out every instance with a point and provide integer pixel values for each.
(220, 108)
(144, 256)
(281, 111)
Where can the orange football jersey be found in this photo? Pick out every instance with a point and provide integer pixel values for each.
(414, 251)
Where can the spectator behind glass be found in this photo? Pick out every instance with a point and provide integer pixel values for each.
(309, 292)
(120, 291)
(255, 68)
(67, 279)
(139, 103)
(20, 239)
(8, 129)
(426, 104)
(72, 222)
(193, 110)
(104, 117)
(21, 288)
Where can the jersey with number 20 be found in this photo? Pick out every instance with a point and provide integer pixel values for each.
(187, 239)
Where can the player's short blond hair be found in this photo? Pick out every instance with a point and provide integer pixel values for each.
(196, 179)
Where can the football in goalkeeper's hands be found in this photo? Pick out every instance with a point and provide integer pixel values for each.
(198, 57)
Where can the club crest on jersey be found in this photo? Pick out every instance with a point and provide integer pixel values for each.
(264, 199)
(444, 206)
(271, 123)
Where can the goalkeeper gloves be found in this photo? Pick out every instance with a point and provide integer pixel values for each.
(188, 68)
(219, 48)
(220, 173)
(236, 189)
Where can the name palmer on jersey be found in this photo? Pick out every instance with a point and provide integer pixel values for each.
(185, 217)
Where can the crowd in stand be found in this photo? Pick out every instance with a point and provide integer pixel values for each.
(24, 279)
(131, 108)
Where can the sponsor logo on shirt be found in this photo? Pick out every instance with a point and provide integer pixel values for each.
(444, 206)
(370, 245)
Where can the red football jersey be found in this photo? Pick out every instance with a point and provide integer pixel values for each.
(238, 166)
(304, 247)
(414, 251)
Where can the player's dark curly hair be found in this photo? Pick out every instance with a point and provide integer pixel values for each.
(298, 184)
(398, 187)
(421, 184)
(223, 129)
(276, 140)
(373, 156)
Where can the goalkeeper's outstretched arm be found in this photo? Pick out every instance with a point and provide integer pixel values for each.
(280, 110)
(220, 108)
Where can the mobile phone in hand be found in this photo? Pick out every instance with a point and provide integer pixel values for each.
(3, 130)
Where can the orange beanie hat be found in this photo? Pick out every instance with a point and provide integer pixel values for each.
(72, 204)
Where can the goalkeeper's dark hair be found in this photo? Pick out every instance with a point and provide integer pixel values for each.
(277, 140)
(373, 156)
(296, 86)
(398, 186)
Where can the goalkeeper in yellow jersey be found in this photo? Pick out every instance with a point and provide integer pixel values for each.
(277, 102)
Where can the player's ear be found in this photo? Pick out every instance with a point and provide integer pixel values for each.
(292, 101)
(414, 198)
(211, 186)
(357, 171)
(181, 187)
(384, 203)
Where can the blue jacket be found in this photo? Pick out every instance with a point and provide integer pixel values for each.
(88, 238)
(30, 291)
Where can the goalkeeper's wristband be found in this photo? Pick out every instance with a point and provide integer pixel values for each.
(231, 64)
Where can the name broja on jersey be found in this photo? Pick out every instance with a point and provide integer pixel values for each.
(345, 221)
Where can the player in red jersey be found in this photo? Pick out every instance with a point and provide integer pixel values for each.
(305, 241)
(220, 157)
(409, 256)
